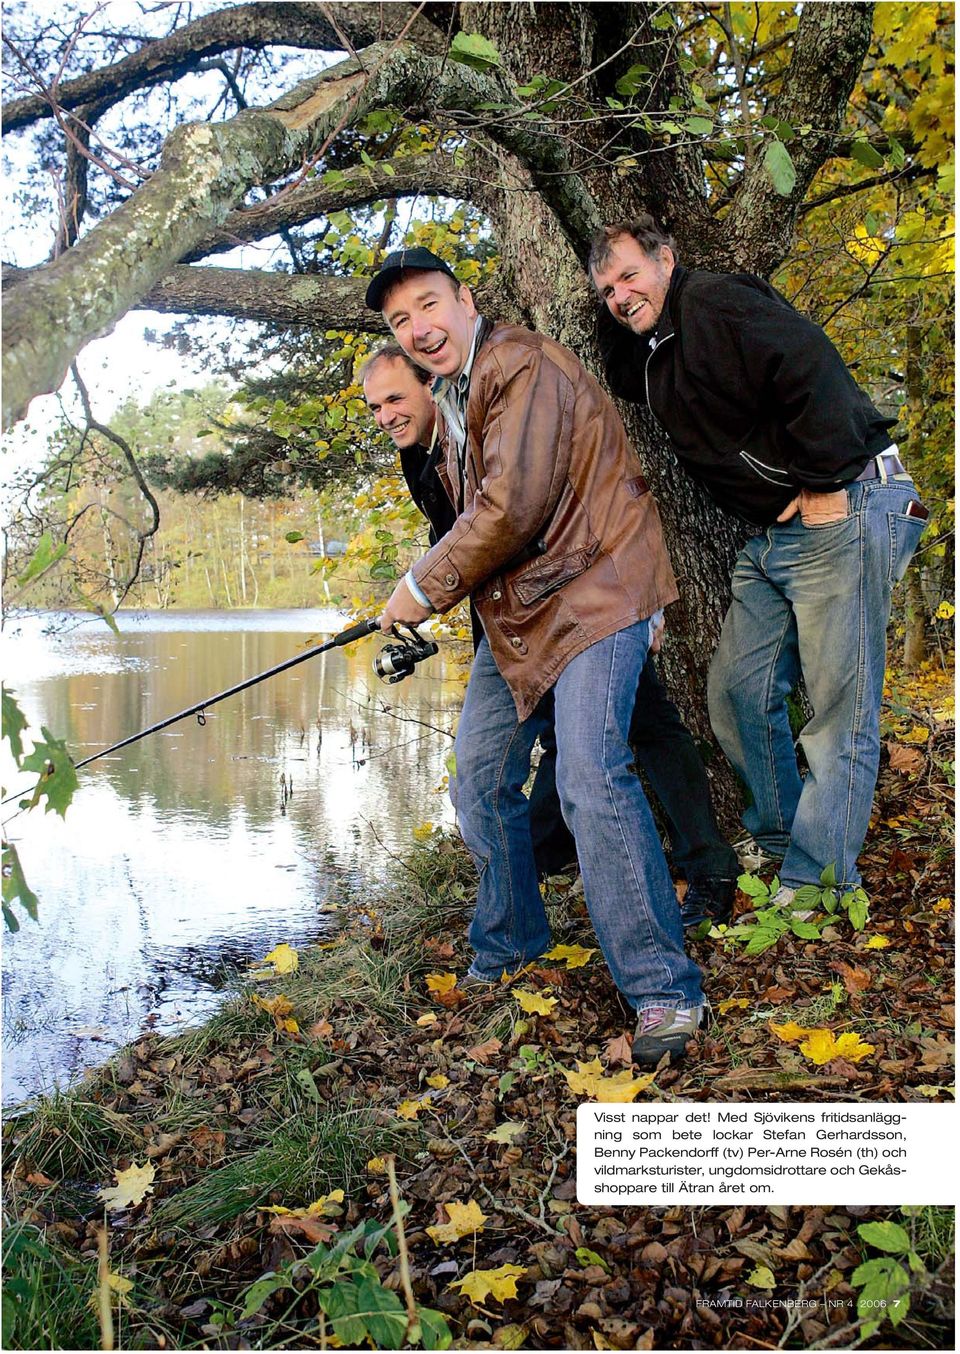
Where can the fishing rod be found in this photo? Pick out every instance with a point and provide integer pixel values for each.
(393, 663)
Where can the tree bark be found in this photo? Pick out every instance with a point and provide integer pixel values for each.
(204, 172)
(253, 26)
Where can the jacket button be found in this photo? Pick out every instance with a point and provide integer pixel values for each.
(450, 580)
(517, 642)
(496, 595)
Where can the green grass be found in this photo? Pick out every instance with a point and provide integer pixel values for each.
(933, 1231)
(67, 1136)
(46, 1294)
(310, 1157)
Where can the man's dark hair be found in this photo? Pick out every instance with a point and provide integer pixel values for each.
(391, 352)
(650, 236)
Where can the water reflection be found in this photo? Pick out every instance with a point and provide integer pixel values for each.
(193, 852)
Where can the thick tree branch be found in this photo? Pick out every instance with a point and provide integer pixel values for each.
(253, 26)
(831, 42)
(204, 172)
(315, 300)
(411, 174)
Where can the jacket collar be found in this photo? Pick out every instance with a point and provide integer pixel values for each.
(666, 325)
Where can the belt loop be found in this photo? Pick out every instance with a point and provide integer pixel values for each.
(881, 467)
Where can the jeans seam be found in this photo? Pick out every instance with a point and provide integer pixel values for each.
(500, 832)
(664, 965)
(858, 705)
(771, 759)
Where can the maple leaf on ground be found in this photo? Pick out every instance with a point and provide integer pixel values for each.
(327, 1206)
(732, 1004)
(463, 1220)
(822, 1046)
(439, 1082)
(132, 1187)
(409, 1109)
(877, 943)
(620, 1089)
(441, 982)
(377, 1166)
(283, 958)
(498, 1284)
(789, 1032)
(278, 1006)
(533, 1003)
(575, 956)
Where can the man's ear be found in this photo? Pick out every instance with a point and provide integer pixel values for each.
(465, 297)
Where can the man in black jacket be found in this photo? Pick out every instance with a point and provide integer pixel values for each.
(399, 399)
(761, 409)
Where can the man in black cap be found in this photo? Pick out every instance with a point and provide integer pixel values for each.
(398, 396)
(557, 541)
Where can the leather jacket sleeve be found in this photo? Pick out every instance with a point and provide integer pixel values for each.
(524, 446)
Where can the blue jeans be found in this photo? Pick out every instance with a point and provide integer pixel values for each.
(628, 890)
(812, 602)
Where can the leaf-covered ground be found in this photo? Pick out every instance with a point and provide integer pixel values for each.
(364, 1049)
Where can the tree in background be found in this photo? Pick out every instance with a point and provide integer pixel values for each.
(788, 140)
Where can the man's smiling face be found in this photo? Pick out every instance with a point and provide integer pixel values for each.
(634, 284)
(433, 320)
(402, 406)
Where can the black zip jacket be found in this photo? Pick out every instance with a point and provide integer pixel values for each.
(756, 400)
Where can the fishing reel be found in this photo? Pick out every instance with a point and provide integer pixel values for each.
(396, 661)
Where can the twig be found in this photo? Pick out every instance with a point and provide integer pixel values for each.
(405, 1280)
(103, 1291)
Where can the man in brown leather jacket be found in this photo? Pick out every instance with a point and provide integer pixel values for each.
(557, 541)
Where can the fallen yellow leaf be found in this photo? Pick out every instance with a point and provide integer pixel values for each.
(789, 1032)
(429, 1019)
(278, 1006)
(328, 1205)
(464, 1220)
(761, 1277)
(822, 1046)
(589, 1080)
(441, 982)
(498, 1284)
(575, 956)
(918, 734)
(377, 1166)
(283, 958)
(132, 1187)
(733, 1002)
(438, 1082)
(409, 1109)
(533, 1003)
(505, 1132)
(877, 943)
(942, 905)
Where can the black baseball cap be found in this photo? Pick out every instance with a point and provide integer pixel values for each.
(394, 264)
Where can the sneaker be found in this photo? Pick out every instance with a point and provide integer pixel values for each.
(664, 1029)
(783, 898)
(753, 857)
(708, 900)
(476, 982)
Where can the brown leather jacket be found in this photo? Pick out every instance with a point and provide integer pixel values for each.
(551, 481)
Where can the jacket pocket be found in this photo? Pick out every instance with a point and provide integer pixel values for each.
(545, 578)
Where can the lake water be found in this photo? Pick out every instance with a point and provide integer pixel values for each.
(189, 855)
